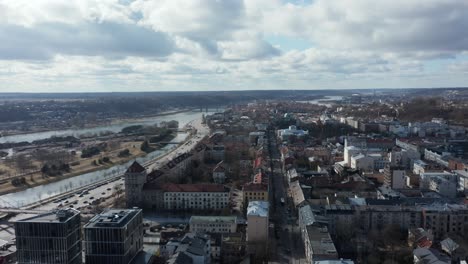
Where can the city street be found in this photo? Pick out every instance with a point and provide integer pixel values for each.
(287, 245)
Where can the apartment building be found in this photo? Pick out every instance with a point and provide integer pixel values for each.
(52, 237)
(257, 226)
(213, 224)
(444, 183)
(318, 244)
(114, 237)
(255, 192)
(441, 219)
(395, 177)
(195, 196)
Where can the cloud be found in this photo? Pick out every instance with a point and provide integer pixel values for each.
(228, 44)
(43, 41)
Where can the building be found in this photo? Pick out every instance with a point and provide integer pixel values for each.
(318, 244)
(147, 190)
(192, 248)
(395, 178)
(437, 155)
(440, 219)
(430, 255)
(135, 179)
(255, 192)
(419, 167)
(213, 224)
(444, 183)
(195, 196)
(219, 173)
(292, 131)
(215, 152)
(52, 237)
(114, 237)
(257, 226)
(462, 180)
(362, 162)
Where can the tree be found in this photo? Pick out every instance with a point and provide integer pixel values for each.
(146, 147)
(24, 163)
(118, 190)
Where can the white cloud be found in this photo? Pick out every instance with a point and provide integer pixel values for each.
(220, 44)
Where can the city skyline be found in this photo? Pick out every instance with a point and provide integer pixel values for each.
(124, 46)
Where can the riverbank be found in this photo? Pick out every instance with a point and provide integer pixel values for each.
(84, 165)
(111, 121)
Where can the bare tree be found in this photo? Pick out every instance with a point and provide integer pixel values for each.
(118, 190)
(24, 163)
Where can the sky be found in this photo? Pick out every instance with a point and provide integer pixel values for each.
(209, 45)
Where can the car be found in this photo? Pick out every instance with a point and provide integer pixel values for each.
(85, 202)
(109, 189)
(71, 206)
(81, 195)
(92, 197)
(103, 193)
(75, 202)
(66, 201)
(89, 207)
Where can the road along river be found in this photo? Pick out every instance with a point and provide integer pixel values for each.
(38, 193)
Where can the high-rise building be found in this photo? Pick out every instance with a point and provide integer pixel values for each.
(52, 237)
(114, 236)
(257, 227)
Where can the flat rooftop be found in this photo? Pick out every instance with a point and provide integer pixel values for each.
(112, 218)
(213, 219)
(56, 216)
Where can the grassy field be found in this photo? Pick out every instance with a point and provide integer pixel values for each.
(85, 165)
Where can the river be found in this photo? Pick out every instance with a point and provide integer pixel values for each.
(38, 193)
(183, 118)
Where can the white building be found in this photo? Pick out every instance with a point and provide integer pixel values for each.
(349, 152)
(419, 167)
(362, 162)
(195, 196)
(284, 134)
(444, 183)
(257, 226)
(395, 178)
(438, 157)
(462, 180)
(213, 224)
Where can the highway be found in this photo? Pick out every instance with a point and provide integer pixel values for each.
(83, 198)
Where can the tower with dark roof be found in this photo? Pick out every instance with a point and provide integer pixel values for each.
(135, 178)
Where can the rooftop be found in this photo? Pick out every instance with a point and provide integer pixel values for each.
(58, 216)
(112, 218)
(135, 168)
(320, 241)
(258, 208)
(194, 188)
(213, 219)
